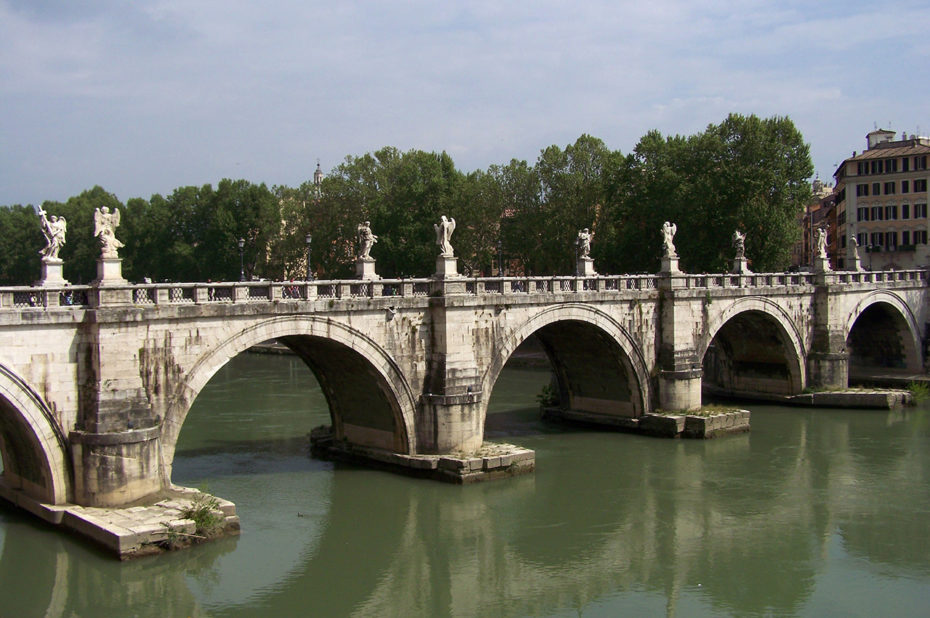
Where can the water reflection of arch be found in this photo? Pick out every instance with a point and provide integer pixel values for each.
(761, 316)
(34, 451)
(370, 400)
(903, 322)
(597, 363)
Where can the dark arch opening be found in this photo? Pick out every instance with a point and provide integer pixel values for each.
(879, 340)
(362, 406)
(23, 465)
(750, 355)
(588, 376)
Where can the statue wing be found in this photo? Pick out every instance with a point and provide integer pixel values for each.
(98, 222)
(438, 233)
(115, 218)
(451, 225)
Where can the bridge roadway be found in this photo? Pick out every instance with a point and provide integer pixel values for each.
(95, 381)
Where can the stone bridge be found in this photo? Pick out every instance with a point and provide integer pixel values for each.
(96, 381)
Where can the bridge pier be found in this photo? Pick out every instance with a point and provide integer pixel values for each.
(680, 368)
(116, 468)
(828, 359)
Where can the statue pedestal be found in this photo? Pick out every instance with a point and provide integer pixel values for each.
(110, 272)
(669, 264)
(52, 273)
(822, 265)
(446, 267)
(585, 267)
(365, 269)
(856, 264)
(740, 266)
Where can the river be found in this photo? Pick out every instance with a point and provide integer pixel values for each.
(816, 512)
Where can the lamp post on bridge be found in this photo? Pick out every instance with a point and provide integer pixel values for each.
(500, 258)
(309, 240)
(241, 260)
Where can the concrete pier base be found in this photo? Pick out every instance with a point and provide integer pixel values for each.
(135, 531)
(680, 425)
(491, 461)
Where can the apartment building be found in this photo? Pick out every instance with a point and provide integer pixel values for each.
(881, 200)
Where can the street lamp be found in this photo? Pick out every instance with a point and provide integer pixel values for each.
(309, 239)
(241, 260)
(500, 258)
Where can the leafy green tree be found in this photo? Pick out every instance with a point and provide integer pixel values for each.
(745, 173)
(22, 242)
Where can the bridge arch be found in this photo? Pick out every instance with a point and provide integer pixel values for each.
(335, 352)
(581, 325)
(892, 315)
(767, 316)
(35, 455)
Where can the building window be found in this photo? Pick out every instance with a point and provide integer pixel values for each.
(876, 188)
(905, 164)
(905, 186)
(877, 239)
(877, 213)
(843, 242)
(891, 166)
(889, 188)
(906, 237)
(862, 190)
(920, 185)
(905, 211)
(891, 212)
(861, 238)
(920, 211)
(891, 240)
(920, 162)
(920, 237)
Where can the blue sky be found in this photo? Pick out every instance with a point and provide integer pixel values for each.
(143, 97)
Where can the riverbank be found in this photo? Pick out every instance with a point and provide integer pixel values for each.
(182, 518)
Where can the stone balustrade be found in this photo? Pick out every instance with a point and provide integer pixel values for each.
(78, 296)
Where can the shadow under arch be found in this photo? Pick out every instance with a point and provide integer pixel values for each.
(588, 351)
(370, 400)
(882, 331)
(754, 346)
(35, 455)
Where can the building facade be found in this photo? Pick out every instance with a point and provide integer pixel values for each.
(881, 200)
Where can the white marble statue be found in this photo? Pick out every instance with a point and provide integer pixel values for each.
(105, 224)
(443, 233)
(366, 241)
(854, 243)
(583, 243)
(821, 242)
(668, 239)
(54, 229)
(739, 241)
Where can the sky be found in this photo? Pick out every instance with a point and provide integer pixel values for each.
(144, 97)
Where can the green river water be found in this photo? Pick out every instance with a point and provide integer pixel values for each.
(816, 512)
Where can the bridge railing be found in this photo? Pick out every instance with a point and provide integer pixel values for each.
(263, 291)
(554, 285)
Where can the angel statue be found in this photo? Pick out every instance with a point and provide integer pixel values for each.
(739, 241)
(583, 243)
(365, 241)
(443, 233)
(105, 224)
(668, 237)
(821, 242)
(54, 229)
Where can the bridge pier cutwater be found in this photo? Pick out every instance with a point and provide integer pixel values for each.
(95, 382)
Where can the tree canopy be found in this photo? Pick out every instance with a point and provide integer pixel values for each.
(745, 173)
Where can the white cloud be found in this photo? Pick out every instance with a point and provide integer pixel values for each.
(144, 98)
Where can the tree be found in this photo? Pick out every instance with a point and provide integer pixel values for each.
(745, 173)
(22, 242)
